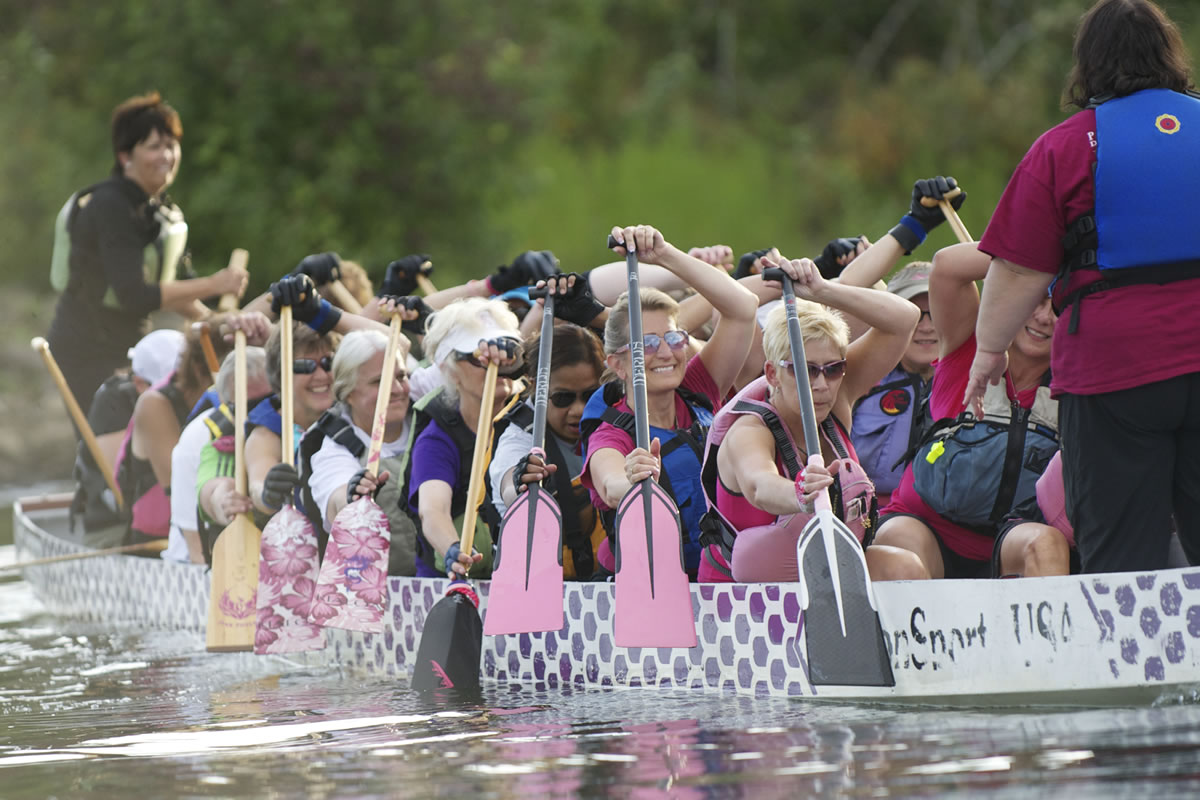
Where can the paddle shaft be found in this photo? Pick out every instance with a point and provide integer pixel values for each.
(423, 281)
(155, 546)
(238, 258)
(342, 296)
(89, 438)
(483, 435)
(541, 389)
(812, 441)
(637, 350)
(956, 223)
(239, 413)
(386, 378)
(204, 331)
(287, 430)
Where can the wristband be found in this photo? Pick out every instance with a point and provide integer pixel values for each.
(326, 318)
(909, 233)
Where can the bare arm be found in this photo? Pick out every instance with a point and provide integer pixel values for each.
(434, 501)
(263, 451)
(953, 295)
(607, 468)
(746, 463)
(1011, 293)
(155, 432)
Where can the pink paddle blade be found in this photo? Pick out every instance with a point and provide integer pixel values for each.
(526, 595)
(287, 576)
(352, 589)
(653, 602)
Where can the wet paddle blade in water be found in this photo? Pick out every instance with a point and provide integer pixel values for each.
(234, 584)
(352, 588)
(653, 606)
(287, 580)
(526, 595)
(451, 643)
(841, 626)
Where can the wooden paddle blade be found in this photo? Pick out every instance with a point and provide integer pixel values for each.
(451, 643)
(287, 580)
(653, 605)
(352, 591)
(231, 603)
(526, 595)
(859, 656)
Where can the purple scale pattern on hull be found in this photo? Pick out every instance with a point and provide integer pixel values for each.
(1170, 599)
(1146, 582)
(1125, 600)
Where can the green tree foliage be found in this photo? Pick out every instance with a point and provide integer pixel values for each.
(474, 130)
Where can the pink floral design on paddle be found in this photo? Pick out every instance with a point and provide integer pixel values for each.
(300, 603)
(358, 544)
(371, 586)
(289, 560)
(326, 605)
(265, 631)
(287, 579)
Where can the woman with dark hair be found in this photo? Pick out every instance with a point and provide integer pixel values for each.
(1106, 201)
(576, 363)
(126, 250)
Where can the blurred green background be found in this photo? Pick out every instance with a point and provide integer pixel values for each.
(475, 130)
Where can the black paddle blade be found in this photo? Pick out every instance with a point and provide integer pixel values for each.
(860, 658)
(451, 645)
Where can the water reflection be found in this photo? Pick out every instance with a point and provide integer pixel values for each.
(89, 711)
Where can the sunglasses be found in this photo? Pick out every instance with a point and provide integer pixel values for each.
(674, 339)
(924, 314)
(307, 366)
(832, 371)
(564, 399)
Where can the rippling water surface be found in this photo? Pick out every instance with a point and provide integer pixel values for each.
(89, 711)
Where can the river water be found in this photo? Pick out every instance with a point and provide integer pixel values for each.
(90, 711)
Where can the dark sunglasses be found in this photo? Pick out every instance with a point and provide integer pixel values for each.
(307, 366)
(564, 399)
(674, 339)
(832, 371)
(924, 314)
(469, 358)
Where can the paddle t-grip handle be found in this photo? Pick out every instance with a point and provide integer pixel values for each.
(538, 292)
(956, 223)
(637, 348)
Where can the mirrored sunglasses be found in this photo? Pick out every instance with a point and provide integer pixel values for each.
(307, 366)
(832, 371)
(652, 341)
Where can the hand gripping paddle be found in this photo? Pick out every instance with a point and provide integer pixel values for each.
(352, 590)
(653, 602)
(845, 640)
(231, 606)
(289, 560)
(956, 223)
(526, 595)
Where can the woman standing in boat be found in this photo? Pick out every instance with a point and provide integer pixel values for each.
(126, 242)
(754, 472)
(681, 394)
(1117, 184)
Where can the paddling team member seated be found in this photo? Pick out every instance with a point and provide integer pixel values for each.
(576, 363)
(463, 337)
(682, 394)
(152, 359)
(961, 540)
(185, 543)
(120, 249)
(755, 472)
(144, 467)
(333, 452)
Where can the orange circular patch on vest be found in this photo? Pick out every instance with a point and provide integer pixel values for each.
(895, 402)
(1167, 123)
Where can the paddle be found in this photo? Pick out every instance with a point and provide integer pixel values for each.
(527, 578)
(202, 330)
(829, 556)
(653, 605)
(426, 286)
(452, 639)
(231, 603)
(289, 556)
(153, 546)
(89, 438)
(342, 296)
(352, 588)
(956, 223)
(229, 302)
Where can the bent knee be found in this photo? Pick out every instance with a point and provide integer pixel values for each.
(887, 563)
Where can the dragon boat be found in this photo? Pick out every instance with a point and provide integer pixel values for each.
(1115, 639)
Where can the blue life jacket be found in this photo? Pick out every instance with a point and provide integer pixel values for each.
(267, 415)
(1147, 184)
(682, 454)
(888, 421)
(209, 400)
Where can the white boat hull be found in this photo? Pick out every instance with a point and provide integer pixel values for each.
(1113, 639)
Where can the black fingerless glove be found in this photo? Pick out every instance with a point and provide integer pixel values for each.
(746, 263)
(279, 485)
(512, 349)
(412, 303)
(308, 307)
(921, 219)
(578, 306)
(323, 268)
(452, 553)
(352, 487)
(526, 269)
(401, 276)
(827, 262)
(519, 472)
